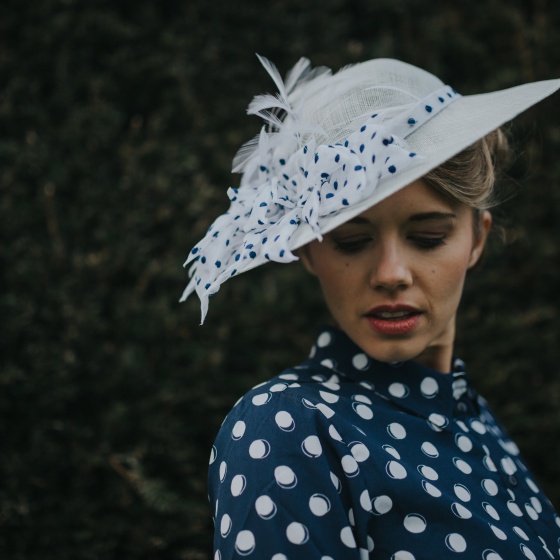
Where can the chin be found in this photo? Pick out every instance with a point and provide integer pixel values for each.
(400, 351)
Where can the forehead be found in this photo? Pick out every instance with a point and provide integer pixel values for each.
(416, 198)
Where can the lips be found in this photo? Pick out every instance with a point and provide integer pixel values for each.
(393, 320)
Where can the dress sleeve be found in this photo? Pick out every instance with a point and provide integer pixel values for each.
(281, 483)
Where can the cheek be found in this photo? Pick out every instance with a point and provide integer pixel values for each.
(337, 281)
(332, 280)
(450, 278)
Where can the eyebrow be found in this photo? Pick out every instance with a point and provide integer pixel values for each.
(432, 216)
(422, 217)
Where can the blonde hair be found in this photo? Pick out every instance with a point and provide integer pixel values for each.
(470, 177)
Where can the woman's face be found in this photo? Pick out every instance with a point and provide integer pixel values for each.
(392, 277)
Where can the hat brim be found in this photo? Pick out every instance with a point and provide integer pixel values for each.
(467, 120)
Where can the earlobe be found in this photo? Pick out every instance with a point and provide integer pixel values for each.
(305, 256)
(481, 233)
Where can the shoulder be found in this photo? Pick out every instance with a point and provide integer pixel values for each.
(298, 400)
(280, 409)
(286, 451)
(306, 423)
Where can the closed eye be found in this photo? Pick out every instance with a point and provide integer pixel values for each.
(427, 243)
(351, 245)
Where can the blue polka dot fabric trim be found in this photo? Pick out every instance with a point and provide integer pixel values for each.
(426, 109)
(344, 457)
(285, 186)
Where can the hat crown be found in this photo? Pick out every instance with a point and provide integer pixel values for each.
(339, 104)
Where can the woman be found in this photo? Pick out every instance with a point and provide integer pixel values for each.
(379, 177)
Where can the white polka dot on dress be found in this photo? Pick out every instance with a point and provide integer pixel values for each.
(259, 449)
(462, 492)
(514, 508)
(456, 542)
(460, 511)
(297, 533)
(329, 397)
(415, 523)
(429, 387)
(362, 399)
(349, 466)
(261, 399)
(336, 482)
(359, 451)
(490, 554)
(319, 505)
(430, 450)
(311, 446)
(395, 470)
(463, 443)
(491, 511)
(265, 507)
(324, 339)
(223, 471)
(490, 487)
(361, 361)
(428, 472)
(431, 489)
(238, 430)
(245, 543)
(437, 421)
(381, 504)
(537, 506)
(392, 451)
(403, 555)
(462, 465)
(347, 537)
(284, 421)
(362, 410)
(238, 484)
(213, 455)
(396, 430)
(278, 387)
(527, 552)
(399, 390)
(225, 525)
(285, 477)
(498, 532)
(334, 433)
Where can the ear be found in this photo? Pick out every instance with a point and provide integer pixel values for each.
(305, 255)
(481, 231)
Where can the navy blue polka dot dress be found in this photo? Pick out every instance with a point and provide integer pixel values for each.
(344, 457)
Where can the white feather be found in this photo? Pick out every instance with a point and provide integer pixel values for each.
(275, 75)
(297, 73)
(267, 101)
(283, 127)
(244, 154)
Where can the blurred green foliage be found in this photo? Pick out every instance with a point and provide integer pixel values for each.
(118, 123)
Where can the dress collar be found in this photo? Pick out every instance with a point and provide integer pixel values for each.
(409, 385)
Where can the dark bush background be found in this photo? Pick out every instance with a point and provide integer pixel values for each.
(118, 123)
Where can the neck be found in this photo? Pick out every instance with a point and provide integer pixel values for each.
(436, 358)
(439, 354)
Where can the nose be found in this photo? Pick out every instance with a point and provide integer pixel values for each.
(390, 268)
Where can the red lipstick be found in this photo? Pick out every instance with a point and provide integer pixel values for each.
(393, 320)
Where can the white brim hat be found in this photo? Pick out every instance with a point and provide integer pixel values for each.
(334, 146)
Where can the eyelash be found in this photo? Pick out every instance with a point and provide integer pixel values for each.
(423, 243)
(428, 243)
(350, 247)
